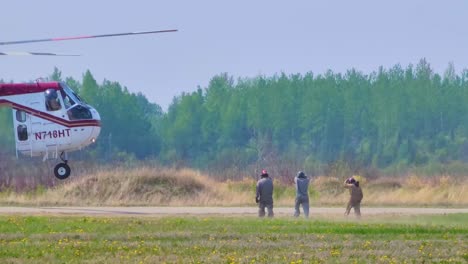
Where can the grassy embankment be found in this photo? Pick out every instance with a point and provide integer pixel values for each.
(418, 239)
(161, 186)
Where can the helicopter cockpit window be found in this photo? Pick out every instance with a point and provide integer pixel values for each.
(22, 131)
(67, 100)
(79, 112)
(20, 116)
(51, 100)
(76, 107)
(71, 94)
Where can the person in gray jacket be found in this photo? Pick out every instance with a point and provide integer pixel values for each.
(264, 195)
(302, 194)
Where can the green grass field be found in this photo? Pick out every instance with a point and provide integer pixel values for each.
(409, 239)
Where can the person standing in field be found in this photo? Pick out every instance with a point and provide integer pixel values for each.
(302, 194)
(264, 195)
(355, 198)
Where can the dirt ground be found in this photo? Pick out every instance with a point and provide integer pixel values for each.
(221, 211)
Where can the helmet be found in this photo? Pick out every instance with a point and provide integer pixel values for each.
(264, 171)
(51, 94)
(351, 180)
(301, 174)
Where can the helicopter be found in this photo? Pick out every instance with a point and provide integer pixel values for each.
(49, 118)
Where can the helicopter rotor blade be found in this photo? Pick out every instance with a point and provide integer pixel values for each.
(21, 53)
(86, 37)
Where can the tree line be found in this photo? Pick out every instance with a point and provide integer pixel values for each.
(399, 116)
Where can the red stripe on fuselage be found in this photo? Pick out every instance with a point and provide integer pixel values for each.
(8, 89)
(49, 117)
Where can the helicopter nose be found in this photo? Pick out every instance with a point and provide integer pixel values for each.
(95, 114)
(97, 129)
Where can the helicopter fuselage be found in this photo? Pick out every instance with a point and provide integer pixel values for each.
(49, 118)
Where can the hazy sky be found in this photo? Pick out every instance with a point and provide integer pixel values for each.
(243, 38)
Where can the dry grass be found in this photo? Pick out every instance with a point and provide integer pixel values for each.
(135, 187)
(142, 186)
(408, 191)
(420, 191)
(156, 186)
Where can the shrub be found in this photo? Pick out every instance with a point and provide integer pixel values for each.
(415, 182)
(385, 184)
(328, 185)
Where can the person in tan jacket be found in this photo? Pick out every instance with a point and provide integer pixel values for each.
(355, 198)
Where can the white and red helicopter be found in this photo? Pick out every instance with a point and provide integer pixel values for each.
(49, 118)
